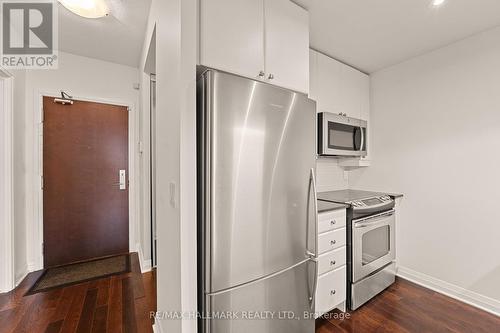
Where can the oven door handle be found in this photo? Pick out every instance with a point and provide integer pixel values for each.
(374, 220)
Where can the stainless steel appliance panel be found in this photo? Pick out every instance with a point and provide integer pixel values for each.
(270, 305)
(373, 244)
(259, 140)
(362, 291)
(339, 135)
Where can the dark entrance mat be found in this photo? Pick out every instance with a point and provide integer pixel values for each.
(80, 272)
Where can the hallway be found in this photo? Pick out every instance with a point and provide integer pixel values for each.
(119, 303)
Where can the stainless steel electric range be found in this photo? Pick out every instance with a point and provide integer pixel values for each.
(370, 242)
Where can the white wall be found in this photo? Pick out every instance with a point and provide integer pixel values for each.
(79, 76)
(436, 138)
(176, 48)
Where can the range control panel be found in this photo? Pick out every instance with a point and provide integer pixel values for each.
(371, 202)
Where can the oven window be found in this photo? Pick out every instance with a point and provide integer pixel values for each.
(341, 136)
(375, 244)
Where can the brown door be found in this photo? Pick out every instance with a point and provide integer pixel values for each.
(85, 213)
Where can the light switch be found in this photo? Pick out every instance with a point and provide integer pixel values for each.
(123, 180)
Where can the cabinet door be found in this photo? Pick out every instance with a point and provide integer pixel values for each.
(313, 75)
(351, 91)
(287, 45)
(365, 111)
(327, 84)
(232, 36)
(331, 290)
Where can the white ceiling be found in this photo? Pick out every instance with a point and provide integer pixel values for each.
(117, 38)
(374, 34)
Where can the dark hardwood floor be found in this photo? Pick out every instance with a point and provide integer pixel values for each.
(120, 303)
(406, 307)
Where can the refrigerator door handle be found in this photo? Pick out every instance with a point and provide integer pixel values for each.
(312, 186)
(312, 298)
(313, 257)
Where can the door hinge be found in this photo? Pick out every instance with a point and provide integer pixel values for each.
(41, 182)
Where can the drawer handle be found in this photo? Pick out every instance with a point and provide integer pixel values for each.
(332, 263)
(333, 222)
(333, 242)
(333, 292)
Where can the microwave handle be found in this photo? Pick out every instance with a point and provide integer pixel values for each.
(362, 138)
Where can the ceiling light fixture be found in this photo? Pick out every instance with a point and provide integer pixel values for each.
(438, 2)
(87, 8)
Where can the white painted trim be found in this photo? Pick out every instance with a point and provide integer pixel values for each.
(157, 327)
(472, 298)
(145, 264)
(37, 227)
(7, 273)
(146, 161)
(21, 278)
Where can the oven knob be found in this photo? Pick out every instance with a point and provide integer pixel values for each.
(333, 292)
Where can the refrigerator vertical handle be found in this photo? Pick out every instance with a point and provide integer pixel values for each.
(311, 253)
(312, 298)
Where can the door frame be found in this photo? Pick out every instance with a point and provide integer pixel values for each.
(7, 273)
(38, 170)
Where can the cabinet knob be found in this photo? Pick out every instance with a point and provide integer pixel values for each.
(333, 242)
(270, 77)
(333, 222)
(262, 74)
(333, 292)
(332, 263)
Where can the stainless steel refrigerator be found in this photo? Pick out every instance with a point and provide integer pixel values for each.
(256, 159)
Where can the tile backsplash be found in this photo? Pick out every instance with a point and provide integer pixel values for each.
(329, 175)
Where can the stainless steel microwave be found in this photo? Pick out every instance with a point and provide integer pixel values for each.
(339, 135)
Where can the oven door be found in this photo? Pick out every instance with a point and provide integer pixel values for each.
(342, 136)
(373, 243)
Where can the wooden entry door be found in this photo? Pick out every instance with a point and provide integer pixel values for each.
(85, 211)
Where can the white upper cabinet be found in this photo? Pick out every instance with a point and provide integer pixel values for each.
(351, 91)
(365, 113)
(328, 84)
(232, 36)
(339, 88)
(287, 45)
(264, 39)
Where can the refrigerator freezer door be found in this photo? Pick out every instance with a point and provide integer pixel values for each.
(278, 304)
(260, 142)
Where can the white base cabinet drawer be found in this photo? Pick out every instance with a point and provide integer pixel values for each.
(332, 260)
(331, 240)
(331, 220)
(331, 291)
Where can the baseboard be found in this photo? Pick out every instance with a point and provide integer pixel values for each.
(472, 298)
(22, 276)
(145, 264)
